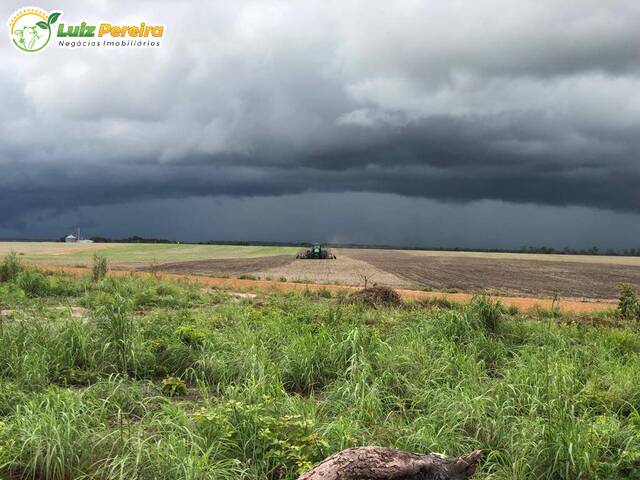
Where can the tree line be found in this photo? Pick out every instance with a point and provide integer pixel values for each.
(544, 250)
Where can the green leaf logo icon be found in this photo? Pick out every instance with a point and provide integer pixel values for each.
(53, 17)
(43, 25)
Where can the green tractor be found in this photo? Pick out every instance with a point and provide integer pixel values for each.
(316, 252)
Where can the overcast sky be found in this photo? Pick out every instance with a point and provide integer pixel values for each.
(475, 123)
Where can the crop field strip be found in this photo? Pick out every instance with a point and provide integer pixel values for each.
(134, 253)
(530, 275)
(273, 286)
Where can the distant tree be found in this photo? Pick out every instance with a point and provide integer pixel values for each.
(101, 240)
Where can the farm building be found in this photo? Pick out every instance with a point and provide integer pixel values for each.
(77, 238)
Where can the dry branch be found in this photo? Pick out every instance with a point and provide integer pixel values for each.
(378, 463)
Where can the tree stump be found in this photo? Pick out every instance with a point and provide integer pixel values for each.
(378, 463)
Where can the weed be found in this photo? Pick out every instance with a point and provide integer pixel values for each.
(513, 310)
(435, 302)
(555, 311)
(629, 303)
(191, 335)
(117, 327)
(10, 267)
(488, 313)
(173, 387)
(100, 267)
(247, 277)
(49, 434)
(324, 293)
(279, 446)
(33, 283)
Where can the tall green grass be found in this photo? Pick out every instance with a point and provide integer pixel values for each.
(10, 267)
(100, 267)
(276, 384)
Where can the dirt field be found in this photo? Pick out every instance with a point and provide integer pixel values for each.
(223, 267)
(503, 276)
(411, 270)
(345, 270)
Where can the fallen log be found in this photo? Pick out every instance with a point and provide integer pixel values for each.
(378, 463)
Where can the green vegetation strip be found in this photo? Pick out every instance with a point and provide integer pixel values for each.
(138, 378)
(82, 253)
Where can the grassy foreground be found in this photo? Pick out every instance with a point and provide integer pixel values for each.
(136, 378)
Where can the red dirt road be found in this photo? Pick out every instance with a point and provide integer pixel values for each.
(523, 303)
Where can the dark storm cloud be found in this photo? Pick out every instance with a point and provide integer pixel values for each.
(515, 101)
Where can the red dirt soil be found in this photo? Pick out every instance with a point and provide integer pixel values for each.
(523, 303)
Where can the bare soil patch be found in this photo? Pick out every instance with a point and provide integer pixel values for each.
(227, 266)
(344, 270)
(504, 277)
